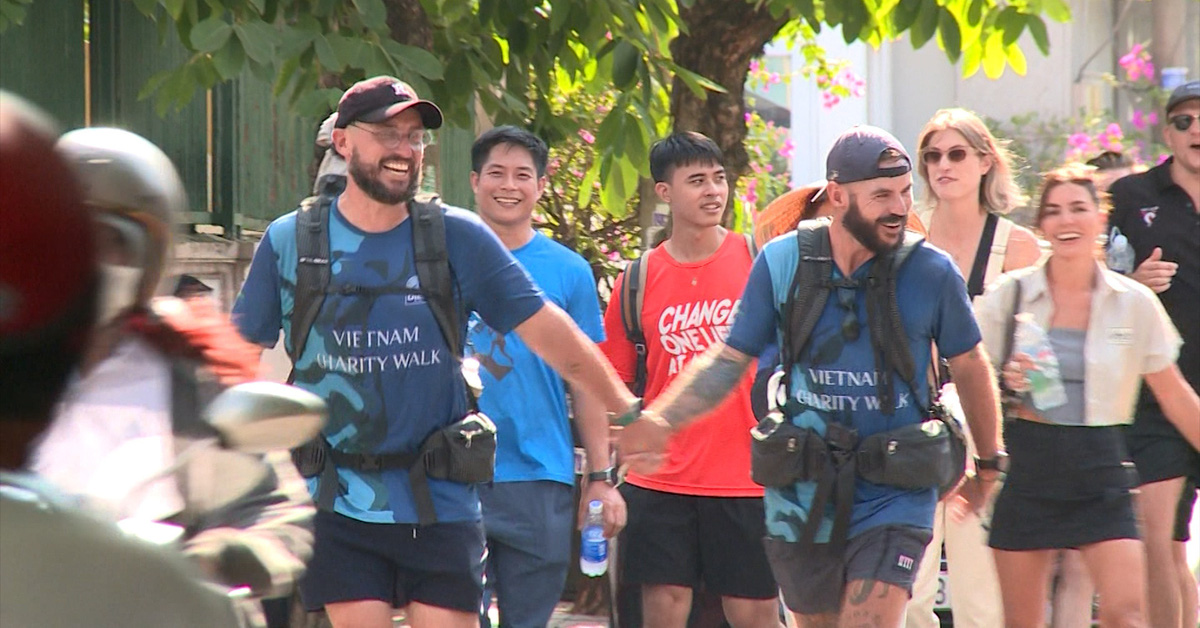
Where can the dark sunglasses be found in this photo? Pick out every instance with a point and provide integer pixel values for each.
(1182, 122)
(934, 157)
(850, 327)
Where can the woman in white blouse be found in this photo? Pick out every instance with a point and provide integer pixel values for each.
(1068, 484)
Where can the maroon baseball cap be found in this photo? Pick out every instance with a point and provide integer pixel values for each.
(379, 98)
(47, 238)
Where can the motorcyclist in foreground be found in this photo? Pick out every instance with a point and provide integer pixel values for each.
(126, 435)
(62, 567)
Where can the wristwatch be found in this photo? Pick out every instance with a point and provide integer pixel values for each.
(608, 475)
(998, 462)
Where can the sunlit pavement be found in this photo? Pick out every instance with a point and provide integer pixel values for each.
(562, 618)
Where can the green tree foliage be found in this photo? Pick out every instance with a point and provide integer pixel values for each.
(680, 63)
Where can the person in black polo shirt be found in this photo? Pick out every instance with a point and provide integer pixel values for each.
(1159, 212)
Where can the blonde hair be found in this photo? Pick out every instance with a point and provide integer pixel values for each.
(998, 190)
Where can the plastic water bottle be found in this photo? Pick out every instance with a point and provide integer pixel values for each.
(593, 547)
(1045, 384)
(1120, 255)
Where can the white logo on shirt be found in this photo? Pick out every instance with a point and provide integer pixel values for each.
(1120, 335)
(413, 284)
(1149, 214)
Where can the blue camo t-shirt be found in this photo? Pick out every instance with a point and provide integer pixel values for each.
(521, 393)
(378, 358)
(835, 379)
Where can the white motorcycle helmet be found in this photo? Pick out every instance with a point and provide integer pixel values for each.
(133, 188)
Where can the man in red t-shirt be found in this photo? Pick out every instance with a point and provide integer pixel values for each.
(698, 521)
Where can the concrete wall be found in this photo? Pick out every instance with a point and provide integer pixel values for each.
(905, 86)
(219, 263)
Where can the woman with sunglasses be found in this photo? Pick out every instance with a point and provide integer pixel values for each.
(1069, 483)
(968, 187)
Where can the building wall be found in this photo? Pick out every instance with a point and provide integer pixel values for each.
(904, 87)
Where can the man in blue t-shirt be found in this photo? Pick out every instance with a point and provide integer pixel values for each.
(528, 510)
(836, 381)
(378, 357)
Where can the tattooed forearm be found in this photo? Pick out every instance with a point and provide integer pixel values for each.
(702, 385)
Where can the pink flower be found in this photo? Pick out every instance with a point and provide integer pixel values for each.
(586, 136)
(748, 116)
(1162, 158)
(1152, 118)
(1114, 130)
(1138, 120)
(754, 66)
(773, 78)
(1079, 141)
(830, 100)
(787, 149)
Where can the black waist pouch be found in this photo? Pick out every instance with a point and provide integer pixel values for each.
(464, 451)
(782, 454)
(929, 454)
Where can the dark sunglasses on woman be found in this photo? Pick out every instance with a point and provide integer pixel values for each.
(934, 157)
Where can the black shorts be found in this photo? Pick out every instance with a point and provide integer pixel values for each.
(1160, 457)
(691, 541)
(439, 565)
(813, 579)
(1183, 514)
(1068, 486)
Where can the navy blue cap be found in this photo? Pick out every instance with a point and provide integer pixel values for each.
(855, 155)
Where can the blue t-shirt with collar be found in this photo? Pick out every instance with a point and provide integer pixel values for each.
(378, 358)
(835, 378)
(524, 396)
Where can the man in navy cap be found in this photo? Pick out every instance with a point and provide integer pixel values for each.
(853, 560)
(1159, 212)
(381, 360)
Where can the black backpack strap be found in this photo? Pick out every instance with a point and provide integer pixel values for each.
(979, 266)
(887, 329)
(1009, 397)
(808, 293)
(633, 296)
(434, 274)
(312, 270)
(433, 268)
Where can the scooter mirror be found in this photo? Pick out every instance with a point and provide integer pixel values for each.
(258, 417)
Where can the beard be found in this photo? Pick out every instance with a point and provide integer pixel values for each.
(867, 232)
(370, 181)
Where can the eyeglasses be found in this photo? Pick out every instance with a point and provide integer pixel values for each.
(392, 139)
(1182, 122)
(934, 157)
(846, 300)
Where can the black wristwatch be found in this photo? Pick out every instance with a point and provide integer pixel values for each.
(608, 475)
(998, 462)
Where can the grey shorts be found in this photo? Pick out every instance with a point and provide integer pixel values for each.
(813, 580)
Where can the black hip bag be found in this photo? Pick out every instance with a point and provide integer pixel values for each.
(464, 451)
(928, 454)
